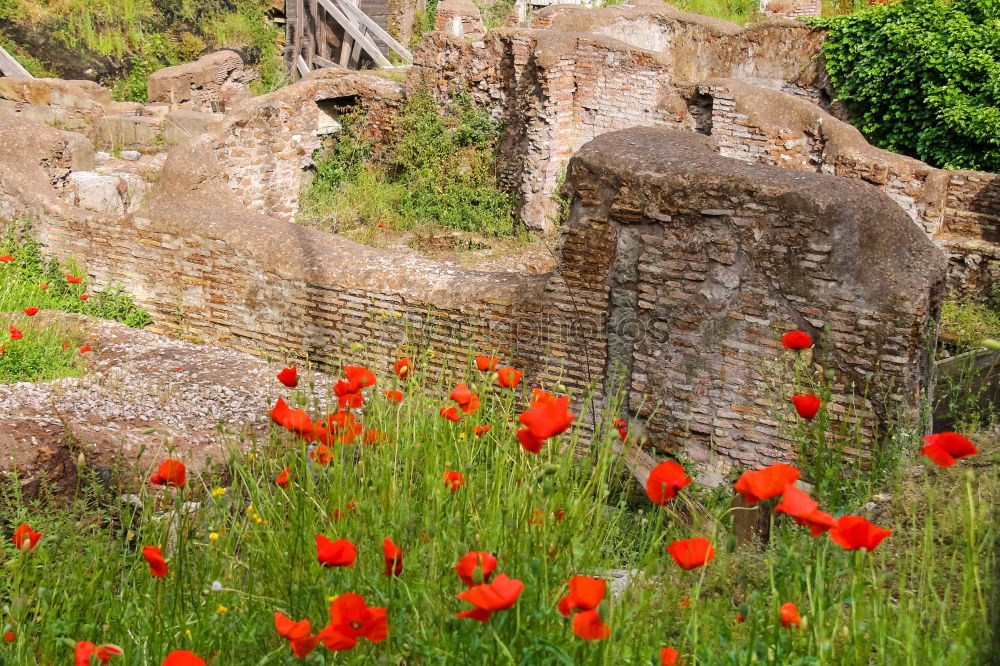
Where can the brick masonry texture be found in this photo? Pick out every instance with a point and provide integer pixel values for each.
(791, 9)
(664, 233)
(214, 79)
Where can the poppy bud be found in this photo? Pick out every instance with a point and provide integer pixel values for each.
(731, 543)
(550, 469)
(548, 487)
(81, 460)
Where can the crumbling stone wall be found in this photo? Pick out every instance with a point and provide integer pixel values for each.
(959, 210)
(211, 83)
(791, 9)
(459, 18)
(266, 143)
(713, 258)
(665, 237)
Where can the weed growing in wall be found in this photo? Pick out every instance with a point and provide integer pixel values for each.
(437, 167)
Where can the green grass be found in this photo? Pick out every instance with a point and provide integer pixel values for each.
(965, 325)
(926, 595)
(48, 351)
(437, 169)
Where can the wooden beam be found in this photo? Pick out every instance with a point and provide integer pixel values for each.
(356, 32)
(323, 62)
(375, 29)
(300, 64)
(11, 67)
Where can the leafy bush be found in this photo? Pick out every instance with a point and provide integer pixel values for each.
(437, 168)
(922, 78)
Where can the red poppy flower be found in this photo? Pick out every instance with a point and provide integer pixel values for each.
(340, 553)
(337, 514)
(282, 479)
(296, 420)
(289, 377)
(10, 636)
(183, 658)
(664, 482)
(157, 565)
(468, 402)
(854, 533)
(321, 455)
(540, 398)
(669, 657)
(622, 430)
(475, 568)
(691, 553)
(489, 598)
(31, 312)
(453, 480)
(296, 633)
(946, 447)
(804, 511)
(72, 279)
(485, 363)
(585, 593)
(806, 405)
(796, 340)
(373, 436)
(479, 431)
(171, 473)
(589, 626)
(15, 334)
(509, 377)
(348, 390)
(393, 558)
(85, 650)
(338, 427)
(790, 617)
(767, 483)
(548, 420)
(84, 349)
(43, 286)
(24, 538)
(394, 396)
(350, 619)
(450, 413)
(84, 297)
(685, 602)
(403, 367)
(6, 259)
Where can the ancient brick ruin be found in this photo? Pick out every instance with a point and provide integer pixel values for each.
(717, 201)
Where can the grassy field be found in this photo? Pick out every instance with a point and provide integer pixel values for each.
(440, 488)
(30, 281)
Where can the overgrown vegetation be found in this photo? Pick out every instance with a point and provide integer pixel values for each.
(925, 595)
(31, 279)
(967, 324)
(921, 77)
(141, 36)
(436, 167)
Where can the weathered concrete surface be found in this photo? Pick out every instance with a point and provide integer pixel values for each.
(181, 124)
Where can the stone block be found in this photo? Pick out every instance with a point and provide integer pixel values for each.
(115, 132)
(101, 194)
(181, 124)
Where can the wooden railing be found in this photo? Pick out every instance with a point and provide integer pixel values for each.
(328, 33)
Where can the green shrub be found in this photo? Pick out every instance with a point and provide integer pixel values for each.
(438, 168)
(922, 78)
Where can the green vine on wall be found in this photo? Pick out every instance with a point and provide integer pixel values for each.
(922, 77)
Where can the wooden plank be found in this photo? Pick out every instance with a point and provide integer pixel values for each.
(300, 27)
(375, 29)
(11, 67)
(356, 32)
(300, 64)
(314, 31)
(355, 62)
(323, 62)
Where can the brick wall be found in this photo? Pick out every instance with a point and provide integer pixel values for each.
(791, 9)
(710, 259)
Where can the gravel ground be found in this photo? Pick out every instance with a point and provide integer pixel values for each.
(135, 380)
